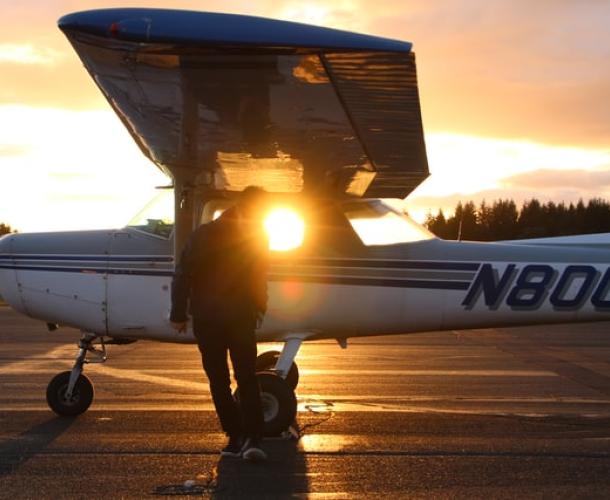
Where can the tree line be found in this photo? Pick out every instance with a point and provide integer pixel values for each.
(502, 220)
(5, 229)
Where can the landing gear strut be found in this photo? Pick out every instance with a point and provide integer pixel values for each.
(278, 377)
(70, 393)
(267, 361)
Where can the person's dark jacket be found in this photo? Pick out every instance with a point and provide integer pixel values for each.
(223, 271)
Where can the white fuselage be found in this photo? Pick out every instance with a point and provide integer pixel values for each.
(128, 296)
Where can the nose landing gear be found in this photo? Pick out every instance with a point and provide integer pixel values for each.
(69, 403)
(70, 393)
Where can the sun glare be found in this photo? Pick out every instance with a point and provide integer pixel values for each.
(285, 229)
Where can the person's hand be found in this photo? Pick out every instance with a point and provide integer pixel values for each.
(179, 326)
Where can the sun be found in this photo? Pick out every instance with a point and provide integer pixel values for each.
(285, 229)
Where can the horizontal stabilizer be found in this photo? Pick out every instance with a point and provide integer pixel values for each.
(598, 240)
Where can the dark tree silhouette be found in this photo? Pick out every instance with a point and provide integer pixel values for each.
(5, 229)
(503, 221)
(436, 223)
(531, 220)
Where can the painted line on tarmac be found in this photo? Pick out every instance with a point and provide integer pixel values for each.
(465, 399)
(435, 373)
(533, 413)
(381, 452)
(521, 407)
(138, 376)
(63, 355)
(329, 399)
(31, 364)
(30, 367)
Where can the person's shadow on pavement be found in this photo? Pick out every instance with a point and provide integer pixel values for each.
(283, 474)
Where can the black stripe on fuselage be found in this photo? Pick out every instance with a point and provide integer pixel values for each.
(388, 264)
(337, 280)
(90, 270)
(85, 258)
(351, 280)
(312, 261)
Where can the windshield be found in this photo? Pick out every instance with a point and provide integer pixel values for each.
(157, 217)
(378, 224)
(375, 222)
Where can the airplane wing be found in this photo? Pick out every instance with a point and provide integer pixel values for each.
(223, 101)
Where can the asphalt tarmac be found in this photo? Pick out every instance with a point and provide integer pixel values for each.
(502, 413)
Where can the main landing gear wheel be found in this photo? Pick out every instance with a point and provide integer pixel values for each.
(278, 401)
(75, 404)
(267, 360)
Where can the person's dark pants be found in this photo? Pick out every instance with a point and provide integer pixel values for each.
(236, 336)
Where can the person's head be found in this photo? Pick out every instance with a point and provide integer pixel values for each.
(250, 204)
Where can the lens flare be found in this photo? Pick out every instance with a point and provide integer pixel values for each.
(285, 229)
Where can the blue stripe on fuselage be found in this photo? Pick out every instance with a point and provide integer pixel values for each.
(312, 261)
(89, 258)
(343, 280)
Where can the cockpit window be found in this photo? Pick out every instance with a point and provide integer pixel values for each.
(157, 217)
(378, 224)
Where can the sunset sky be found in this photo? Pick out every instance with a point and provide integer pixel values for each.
(515, 98)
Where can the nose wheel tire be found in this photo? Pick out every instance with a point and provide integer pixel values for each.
(77, 403)
(278, 402)
(267, 361)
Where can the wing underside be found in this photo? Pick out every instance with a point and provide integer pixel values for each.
(289, 119)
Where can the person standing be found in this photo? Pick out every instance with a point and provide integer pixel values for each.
(223, 271)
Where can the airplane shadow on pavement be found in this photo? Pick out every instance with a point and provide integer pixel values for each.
(15, 451)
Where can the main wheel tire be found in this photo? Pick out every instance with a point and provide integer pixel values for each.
(79, 402)
(278, 401)
(267, 360)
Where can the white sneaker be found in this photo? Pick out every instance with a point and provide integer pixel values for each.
(233, 448)
(252, 451)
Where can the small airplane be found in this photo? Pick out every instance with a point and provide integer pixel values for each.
(329, 123)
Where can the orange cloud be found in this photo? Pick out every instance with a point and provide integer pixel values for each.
(27, 54)
(12, 150)
(494, 69)
(557, 179)
(506, 69)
